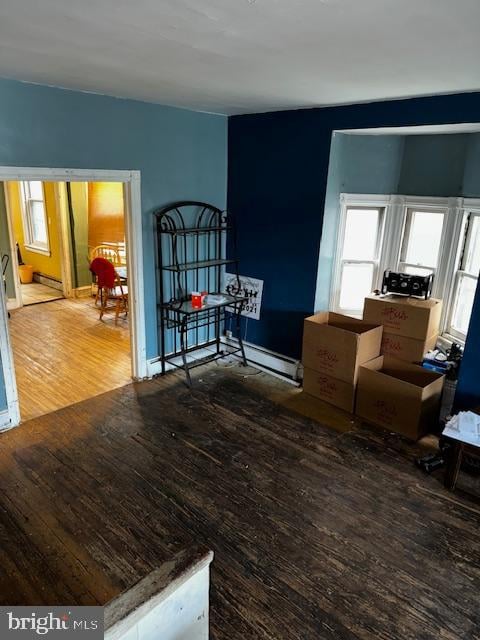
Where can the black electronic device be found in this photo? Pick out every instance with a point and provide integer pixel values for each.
(407, 284)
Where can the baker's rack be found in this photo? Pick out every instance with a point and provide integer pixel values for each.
(191, 256)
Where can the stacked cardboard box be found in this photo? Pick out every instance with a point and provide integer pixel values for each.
(334, 347)
(399, 396)
(410, 325)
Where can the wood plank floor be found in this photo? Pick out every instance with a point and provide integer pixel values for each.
(36, 292)
(317, 534)
(63, 354)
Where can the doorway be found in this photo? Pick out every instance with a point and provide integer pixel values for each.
(35, 247)
(57, 350)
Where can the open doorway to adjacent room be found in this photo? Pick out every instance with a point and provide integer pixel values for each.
(66, 266)
(36, 273)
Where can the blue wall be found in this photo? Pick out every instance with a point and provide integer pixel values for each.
(278, 165)
(181, 154)
(278, 168)
(468, 389)
(277, 180)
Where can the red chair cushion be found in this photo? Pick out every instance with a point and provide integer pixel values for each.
(105, 272)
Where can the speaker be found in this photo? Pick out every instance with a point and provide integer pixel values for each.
(407, 284)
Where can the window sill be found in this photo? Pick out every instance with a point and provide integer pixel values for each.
(35, 249)
(445, 341)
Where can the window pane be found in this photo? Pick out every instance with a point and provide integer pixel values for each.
(462, 307)
(39, 226)
(423, 242)
(36, 191)
(361, 231)
(355, 285)
(472, 260)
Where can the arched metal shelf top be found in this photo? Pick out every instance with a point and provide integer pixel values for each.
(171, 219)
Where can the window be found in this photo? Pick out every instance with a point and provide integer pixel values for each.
(422, 239)
(413, 235)
(359, 256)
(35, 225)
(466, 278)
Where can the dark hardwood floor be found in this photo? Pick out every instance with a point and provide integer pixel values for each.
(317, 534)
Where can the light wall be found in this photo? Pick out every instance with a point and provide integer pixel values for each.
(358, 164)
(46, 265)
(434, 165)
(181, 154)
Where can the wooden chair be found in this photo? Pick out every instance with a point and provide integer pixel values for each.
(112, 253)
(106, 251)
(113, 295)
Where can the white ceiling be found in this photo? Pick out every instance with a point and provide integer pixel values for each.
(237, 56)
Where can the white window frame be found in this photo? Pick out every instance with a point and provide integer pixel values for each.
(463, 243)
(366, 202)
(402, 262)
(26, 201)
(396, 208)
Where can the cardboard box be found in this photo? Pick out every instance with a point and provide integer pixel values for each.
(407, 349)
(337, 345)
(336, 392)
(408, 317)
(399, 396)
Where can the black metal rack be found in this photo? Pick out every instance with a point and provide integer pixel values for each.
(191, 253)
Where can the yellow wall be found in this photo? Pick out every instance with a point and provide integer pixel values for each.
(105, 213)
(46, 265)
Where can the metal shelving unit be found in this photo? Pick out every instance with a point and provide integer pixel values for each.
(191, 256)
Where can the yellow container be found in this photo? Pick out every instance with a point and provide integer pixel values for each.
(26, 273)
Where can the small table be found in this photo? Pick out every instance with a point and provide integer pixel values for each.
(455, 455)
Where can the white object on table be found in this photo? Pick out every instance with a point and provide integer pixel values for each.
(465, 426)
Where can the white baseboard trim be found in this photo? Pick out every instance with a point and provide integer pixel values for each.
(154, 366)
(12, 303)
(47, 280)
(83, 292)
(276, 364)
(5, 420)
(271, 362)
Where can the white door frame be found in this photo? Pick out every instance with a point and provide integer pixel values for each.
(12, 304)
(63, 225)
(133, 232)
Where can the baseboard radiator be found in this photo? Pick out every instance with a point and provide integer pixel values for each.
(48, 280)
